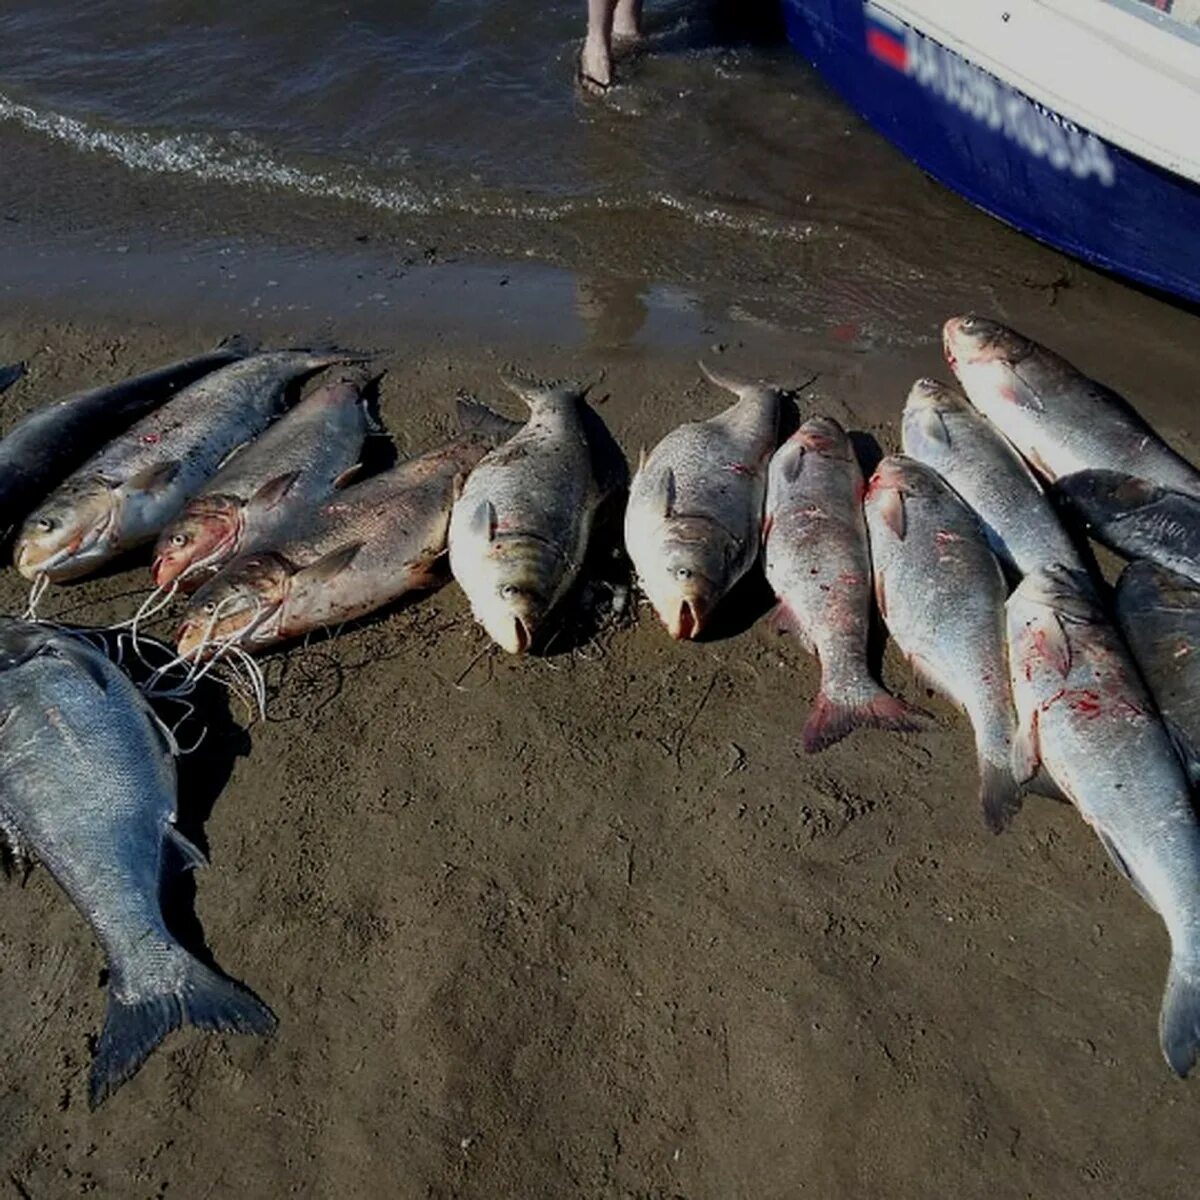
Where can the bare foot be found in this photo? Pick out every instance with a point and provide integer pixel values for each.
(627, 21)
(595, 67)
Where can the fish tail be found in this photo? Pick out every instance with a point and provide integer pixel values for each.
(133, 1028)
(1000, 793)
(832, 719)
(238, 344)
(476, 417)
(742, 388)
(1179, 1020)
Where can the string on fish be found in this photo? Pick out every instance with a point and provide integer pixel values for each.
(153, 604)
(36, 591)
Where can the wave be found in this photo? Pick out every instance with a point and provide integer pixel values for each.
(239, 162)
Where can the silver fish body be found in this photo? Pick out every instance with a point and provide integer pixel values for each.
(89, 791)
(693, 526)
(295, 465)
(1087, 721)
(519, 529)
(941, 592)
(41, 450)
(368, 545)
(124, 495)
(942, 430)
(1159, 614)
(1058, 418)
(1135, 517)
(818, 563)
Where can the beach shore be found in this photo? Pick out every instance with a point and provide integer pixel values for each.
(592, 924)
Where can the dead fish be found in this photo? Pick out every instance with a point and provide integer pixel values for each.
(1087, 721)
(694, 522)
(300, 461)
(41, 450)
(370, 544)
(1159, 613)
(818, 563)
(1135, 517)
(9, 375)
(941, 592)
(519, 530)
(89, 790)
(124, 495)
(1058, 418)
(942, 430)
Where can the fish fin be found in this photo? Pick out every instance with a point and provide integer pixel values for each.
(891, 511)
(1121, 863)
(133, 1028)
(767, 525)
(331, 565)
(1179, 1018)
(154, 478)
(781, 619)
(238, 345)
(793, 461)
(536, 391)
(1026, 749)
(880, 596)
(641, 457)
(9, 375)
(999, 793)
(476, 417)
(193, 857)
(1186, 749)
(275, 490)
(347, 477)
(668, 488)
(483, 521)
(1057, 646)
(830, 721)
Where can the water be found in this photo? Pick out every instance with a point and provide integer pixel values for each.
(454, 126)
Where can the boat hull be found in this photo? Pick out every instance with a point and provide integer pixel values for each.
(1010, 156)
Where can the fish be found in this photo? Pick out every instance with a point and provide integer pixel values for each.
(43, 448)
(693, 526)
(1159, 614)
(1058, 419)
(297, 463)
(942, 430)
(520, 527)
(1086, 719)
(123, 496)
(941, 593)
(10, 374)
(90, 792)
(372, 543)
(1135, 517)
(818, 563)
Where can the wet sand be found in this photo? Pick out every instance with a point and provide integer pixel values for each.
(592, 924)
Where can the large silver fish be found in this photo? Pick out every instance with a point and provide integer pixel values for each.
(693, 527)
(1057, 417)
(942, 430)
(1086, 720)
(370, 544)
(1159, 612)
(818, 563)
(1135, 517)
(941, 592)
(295, 465)
(125, 494)
(41, 450)
(519, 530)
(89, 790)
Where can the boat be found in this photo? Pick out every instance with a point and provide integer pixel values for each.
(1076, 121)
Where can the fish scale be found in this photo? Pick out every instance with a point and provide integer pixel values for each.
(89, 788)
(124, 495)
(1086, 720)
(693, 526)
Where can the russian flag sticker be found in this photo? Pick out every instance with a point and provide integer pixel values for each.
(886, 41)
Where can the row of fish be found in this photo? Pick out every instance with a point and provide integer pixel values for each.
(263, 520)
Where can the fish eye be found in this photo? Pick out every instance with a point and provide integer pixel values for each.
(209, 609)
(47, 524)
(509, 591)
(683, 573)
(180, 539)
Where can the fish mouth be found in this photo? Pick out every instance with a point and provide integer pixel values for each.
(522, 637)
(688, 621)
(950, 332)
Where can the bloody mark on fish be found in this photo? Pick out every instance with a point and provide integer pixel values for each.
(151, 439)
(848, 331)
(851, 579)
(741, 469)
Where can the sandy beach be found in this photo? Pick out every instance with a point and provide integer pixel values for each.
(591, 924)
